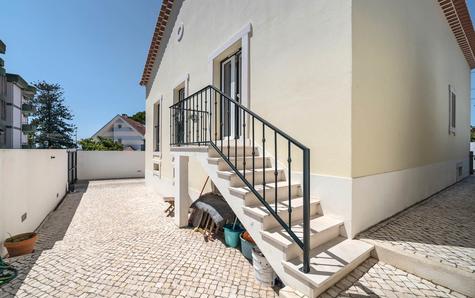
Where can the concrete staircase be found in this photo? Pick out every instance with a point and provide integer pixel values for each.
(332, 255)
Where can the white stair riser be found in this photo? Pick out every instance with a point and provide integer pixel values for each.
(282, 194)
(258, 163)
(239, 152)
(270, 222)
(293, 250)
(270, 177)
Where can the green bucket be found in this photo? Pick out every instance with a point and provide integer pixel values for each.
(231, 236)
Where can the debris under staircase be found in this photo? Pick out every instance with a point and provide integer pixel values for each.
(276, 210)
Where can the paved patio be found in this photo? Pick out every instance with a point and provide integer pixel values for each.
(441, 228)
(377, 279)
(114, 241)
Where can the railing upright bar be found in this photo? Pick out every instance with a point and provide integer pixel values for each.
(171, 126)
(306, 211)
(196, 116)
(289, 163)
(206, 118)
(253, 155)
(216, 119)
(244, 141)
(201, 119)
(192, 119)
(275, 170)
(235, 138)
(264, 157)
(229, 124)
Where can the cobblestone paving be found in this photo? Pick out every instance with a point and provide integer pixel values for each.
(440, 228)
(120, 244)
(377, 279)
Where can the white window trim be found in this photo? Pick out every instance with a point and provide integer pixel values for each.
(185, 80)
(242, 36)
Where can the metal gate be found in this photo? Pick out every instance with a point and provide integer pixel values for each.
(72, 168)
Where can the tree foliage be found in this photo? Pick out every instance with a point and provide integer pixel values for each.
(472, 134)
(139, 117)
(52, 119)
(100, 144)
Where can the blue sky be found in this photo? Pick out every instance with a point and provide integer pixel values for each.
(95, 49)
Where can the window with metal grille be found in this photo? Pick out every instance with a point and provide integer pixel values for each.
(157, 126)
(452, 110)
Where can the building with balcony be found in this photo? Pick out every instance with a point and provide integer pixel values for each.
(122, 129)
(15, 108)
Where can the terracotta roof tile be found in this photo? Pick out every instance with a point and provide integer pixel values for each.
(137, 125)
(162, 21)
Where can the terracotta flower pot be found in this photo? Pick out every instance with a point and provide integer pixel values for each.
(21, 244)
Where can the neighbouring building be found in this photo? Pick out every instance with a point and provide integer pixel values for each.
(15, 107)
(314, 119)
(122, 129)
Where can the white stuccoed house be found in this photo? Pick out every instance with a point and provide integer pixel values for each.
(124, 130)
(315, 119)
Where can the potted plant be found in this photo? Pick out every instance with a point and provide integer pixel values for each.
(20, 244)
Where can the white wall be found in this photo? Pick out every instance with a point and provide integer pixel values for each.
(290, 60)
(32, 182)
(110, 164)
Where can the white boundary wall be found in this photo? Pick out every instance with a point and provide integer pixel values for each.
(110, 164)
(31, 182)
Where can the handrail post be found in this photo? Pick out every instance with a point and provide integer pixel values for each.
(306, 210)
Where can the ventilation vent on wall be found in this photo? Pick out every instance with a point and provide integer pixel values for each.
(459, 170)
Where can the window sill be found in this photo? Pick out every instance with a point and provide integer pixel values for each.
(157, 154)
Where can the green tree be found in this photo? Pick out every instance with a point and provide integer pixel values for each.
(472, 134)
(52, 119)
(100, 144)
(139, 117)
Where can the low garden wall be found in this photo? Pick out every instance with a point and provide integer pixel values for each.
(32, 183)
(110, 164)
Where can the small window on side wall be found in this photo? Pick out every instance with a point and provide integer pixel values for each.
(452, 110)
(157, 126)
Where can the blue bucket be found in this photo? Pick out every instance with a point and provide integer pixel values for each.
(246, 248)
(231, 237)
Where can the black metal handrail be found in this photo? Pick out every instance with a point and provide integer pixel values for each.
(210, 117)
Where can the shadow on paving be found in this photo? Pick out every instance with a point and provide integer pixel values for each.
(51, 230)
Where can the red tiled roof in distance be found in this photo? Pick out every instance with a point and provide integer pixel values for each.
(135, 124)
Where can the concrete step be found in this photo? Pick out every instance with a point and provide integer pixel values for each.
(238, 151)
(250, 198)
(329, 263)
(259, 174)
(322, 229)
(259, 162)
(262, 214)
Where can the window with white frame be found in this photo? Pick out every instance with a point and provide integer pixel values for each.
(452, 110)
(157, 126)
